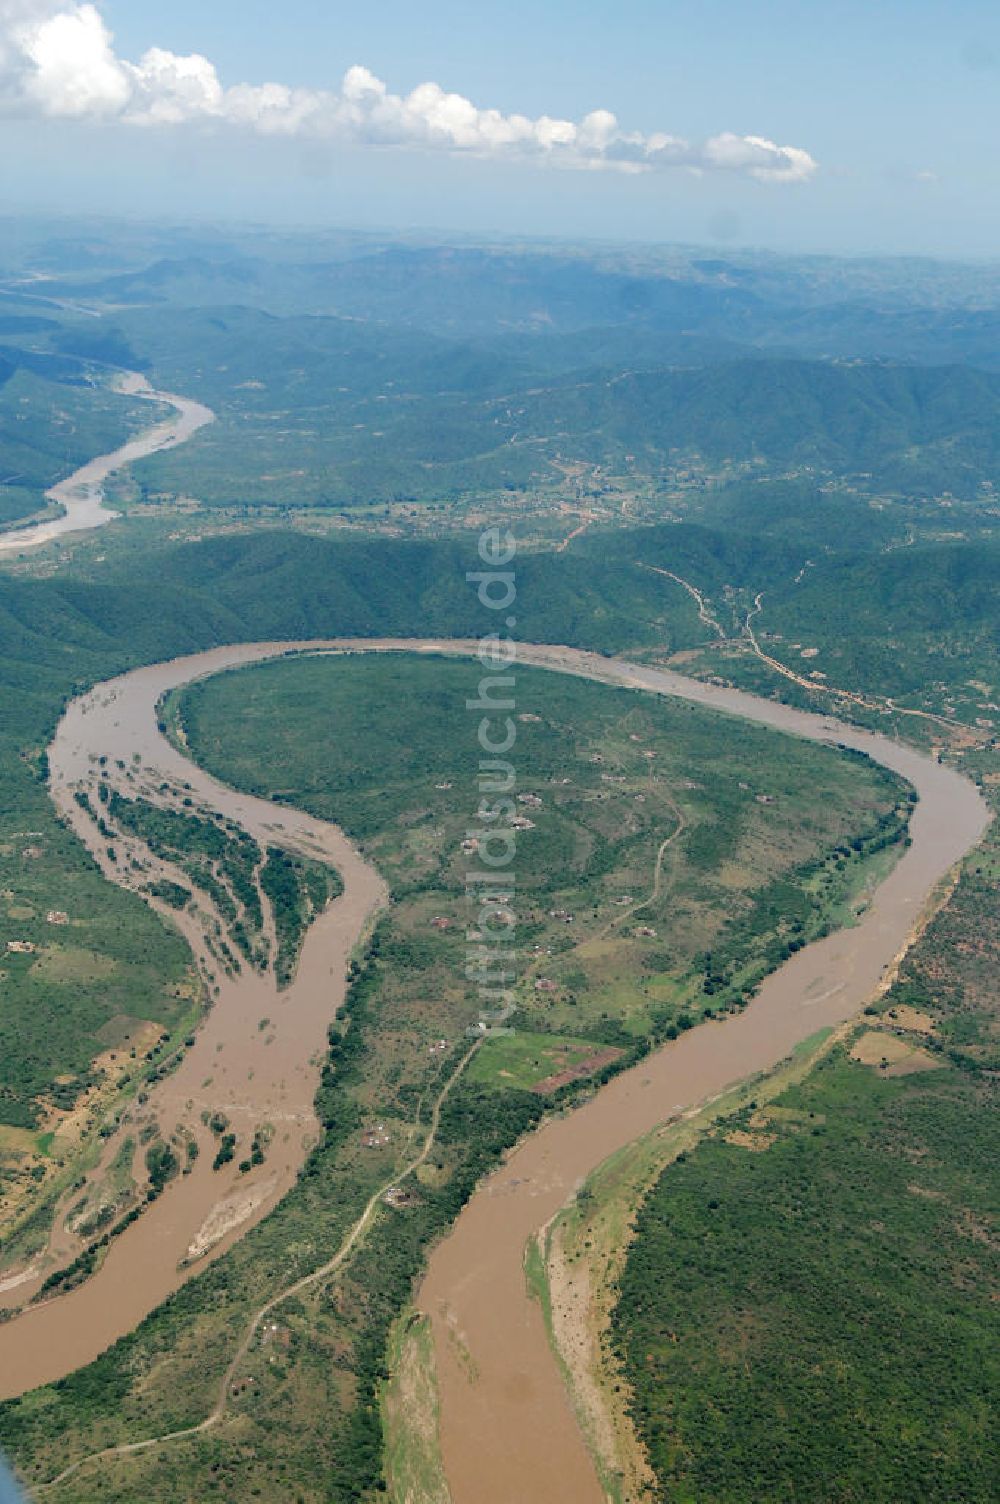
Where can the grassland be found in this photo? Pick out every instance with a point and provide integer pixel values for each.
(114, 966)
(612, 953)
(303, 1403)
(57, 635)
(409, 1403)
(536, 1062)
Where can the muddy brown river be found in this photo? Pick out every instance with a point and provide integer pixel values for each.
(507, 1431)
(81, 495)
(508, 1434)
(255, 1075)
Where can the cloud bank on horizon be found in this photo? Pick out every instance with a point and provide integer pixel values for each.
(57, 60)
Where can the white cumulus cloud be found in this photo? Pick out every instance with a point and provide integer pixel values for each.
(59, 60)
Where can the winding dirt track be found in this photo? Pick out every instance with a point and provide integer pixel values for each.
(508, 1435)
(354, 1236)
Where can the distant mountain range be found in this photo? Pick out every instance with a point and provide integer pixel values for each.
(913, 310)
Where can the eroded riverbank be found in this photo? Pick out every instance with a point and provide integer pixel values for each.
(253, 1076)
(507, 1433)
(507, 1429)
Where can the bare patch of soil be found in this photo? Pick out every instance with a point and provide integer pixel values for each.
(583, 1068)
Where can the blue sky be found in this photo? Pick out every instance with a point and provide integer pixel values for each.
(890, 109)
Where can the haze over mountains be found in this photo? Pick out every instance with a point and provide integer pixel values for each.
(774, 473)
(397, 370)
(328, 1136)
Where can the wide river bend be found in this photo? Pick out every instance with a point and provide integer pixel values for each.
(507, 1431)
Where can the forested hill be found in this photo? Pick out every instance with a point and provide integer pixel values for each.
(57, 634)
(348, 413)
(902, 424)
(51, 420)
(908, 310)
(406, 372)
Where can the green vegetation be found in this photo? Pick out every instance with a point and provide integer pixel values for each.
(301, 728)
(174, 894)
(341, 412)
(827, 1293)
(227, 865)
(807, 1309)
(606, 777)
(936, 595)
(221, 860)
(298, 890)
(439, 427)
(162, 1165)
(919, 624)
(814, 1320)
(86, 985)
(49, 426)
(409, 1403)
(584, 1253)
(526, 1061)
(226, 1152)
(323, 1353)
(58, 635)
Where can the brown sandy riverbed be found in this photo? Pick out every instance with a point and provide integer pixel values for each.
(508, 1434)
(255, 1076)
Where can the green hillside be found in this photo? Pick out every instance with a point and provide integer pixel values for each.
(808, 1311)
(338, 414)
(49, 427)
